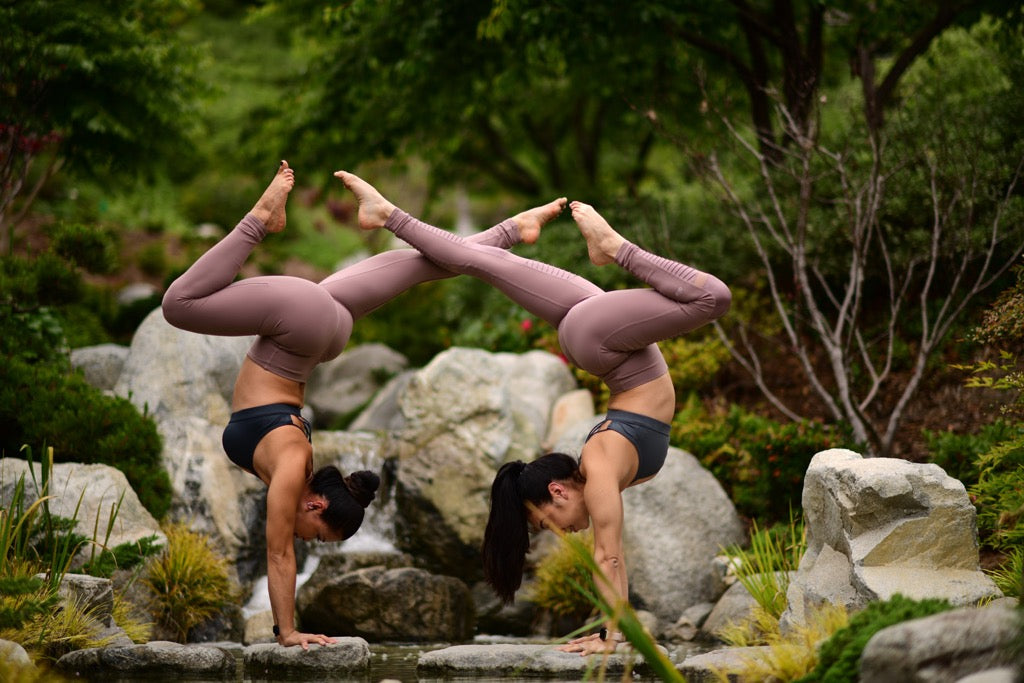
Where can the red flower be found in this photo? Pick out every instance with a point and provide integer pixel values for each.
(526, 325)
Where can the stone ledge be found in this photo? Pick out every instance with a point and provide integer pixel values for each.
(520, 660)
(273, 662)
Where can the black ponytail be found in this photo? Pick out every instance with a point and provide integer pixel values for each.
(507, 536)
(346, 497)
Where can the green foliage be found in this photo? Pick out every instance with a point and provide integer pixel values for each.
(94, 84)
(840, 654)
(557, 576)
(123, 556)
(999, 493)
(90, 248)
(189, 581)
(23, 599)
(81, 424)
(958, 454)
(693, 361)
(760, 462)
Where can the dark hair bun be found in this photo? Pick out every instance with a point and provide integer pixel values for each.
(363, 485)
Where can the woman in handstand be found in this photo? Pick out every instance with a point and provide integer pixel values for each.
(298, 324)
(610, 334)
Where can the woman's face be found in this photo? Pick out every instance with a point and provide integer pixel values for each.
(565, 511)
(310, 526)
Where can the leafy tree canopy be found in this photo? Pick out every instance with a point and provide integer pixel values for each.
(90, 83)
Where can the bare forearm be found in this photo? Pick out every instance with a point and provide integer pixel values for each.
(611, 581)
(281, 586)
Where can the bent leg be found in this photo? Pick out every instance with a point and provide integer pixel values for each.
(613, 335)
(541, 289)
(366, 286)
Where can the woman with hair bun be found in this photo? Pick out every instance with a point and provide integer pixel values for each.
(612, 335)
(298, 324)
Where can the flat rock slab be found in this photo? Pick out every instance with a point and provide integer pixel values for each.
(270, 661)
(522, 660)
(153, 658)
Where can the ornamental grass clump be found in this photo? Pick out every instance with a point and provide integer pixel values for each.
(764, 568)
(189, 582)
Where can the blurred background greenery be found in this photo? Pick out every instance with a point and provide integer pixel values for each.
(851, 169)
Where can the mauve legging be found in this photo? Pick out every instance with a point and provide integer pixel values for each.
(609, 334)
(299, 323)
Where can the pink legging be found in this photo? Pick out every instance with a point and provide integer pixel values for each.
(299, 323)
(609, 334)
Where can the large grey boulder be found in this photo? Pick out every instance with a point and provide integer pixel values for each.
(514, 660)
(880, 526)
(100, 365)
(674, 527)
(94, 490)
(345, 384)
(346, 659)
(213, 496)
(465, 414)
(383, 412)
(155, 658)
(174, 373)
(382, 604)
(942, 648)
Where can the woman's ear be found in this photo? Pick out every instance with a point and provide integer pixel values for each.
(557, 489)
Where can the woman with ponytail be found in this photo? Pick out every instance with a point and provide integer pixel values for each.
(298, 325)
(612, 335)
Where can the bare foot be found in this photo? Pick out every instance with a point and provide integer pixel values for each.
(530, 222)
(373, 208)
(602, 241)
(270, 207)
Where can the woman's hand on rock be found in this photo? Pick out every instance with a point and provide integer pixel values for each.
(304, 639)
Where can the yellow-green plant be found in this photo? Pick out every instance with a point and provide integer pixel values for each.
(555, 577)
(791, 656)
(125, 616)
(189, 581)
(764, 567)
(70, 626)
(1009, 576)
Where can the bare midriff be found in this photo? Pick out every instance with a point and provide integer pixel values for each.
(656, 399)
(258, 387)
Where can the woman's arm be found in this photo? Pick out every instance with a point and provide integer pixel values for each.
(287, 486)
(602, 494)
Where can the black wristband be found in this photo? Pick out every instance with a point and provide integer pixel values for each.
(277, 631)
(603, 633)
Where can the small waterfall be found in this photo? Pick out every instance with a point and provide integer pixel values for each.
(377, 533)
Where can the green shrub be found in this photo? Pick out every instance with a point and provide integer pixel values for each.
(88, 247)
(958, 454)
(42, 405)
(999, 493)
(760, 462)
(839, 655)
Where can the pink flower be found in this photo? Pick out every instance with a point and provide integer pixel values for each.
(526, 325)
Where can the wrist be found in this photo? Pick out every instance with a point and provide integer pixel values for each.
(613, 636)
